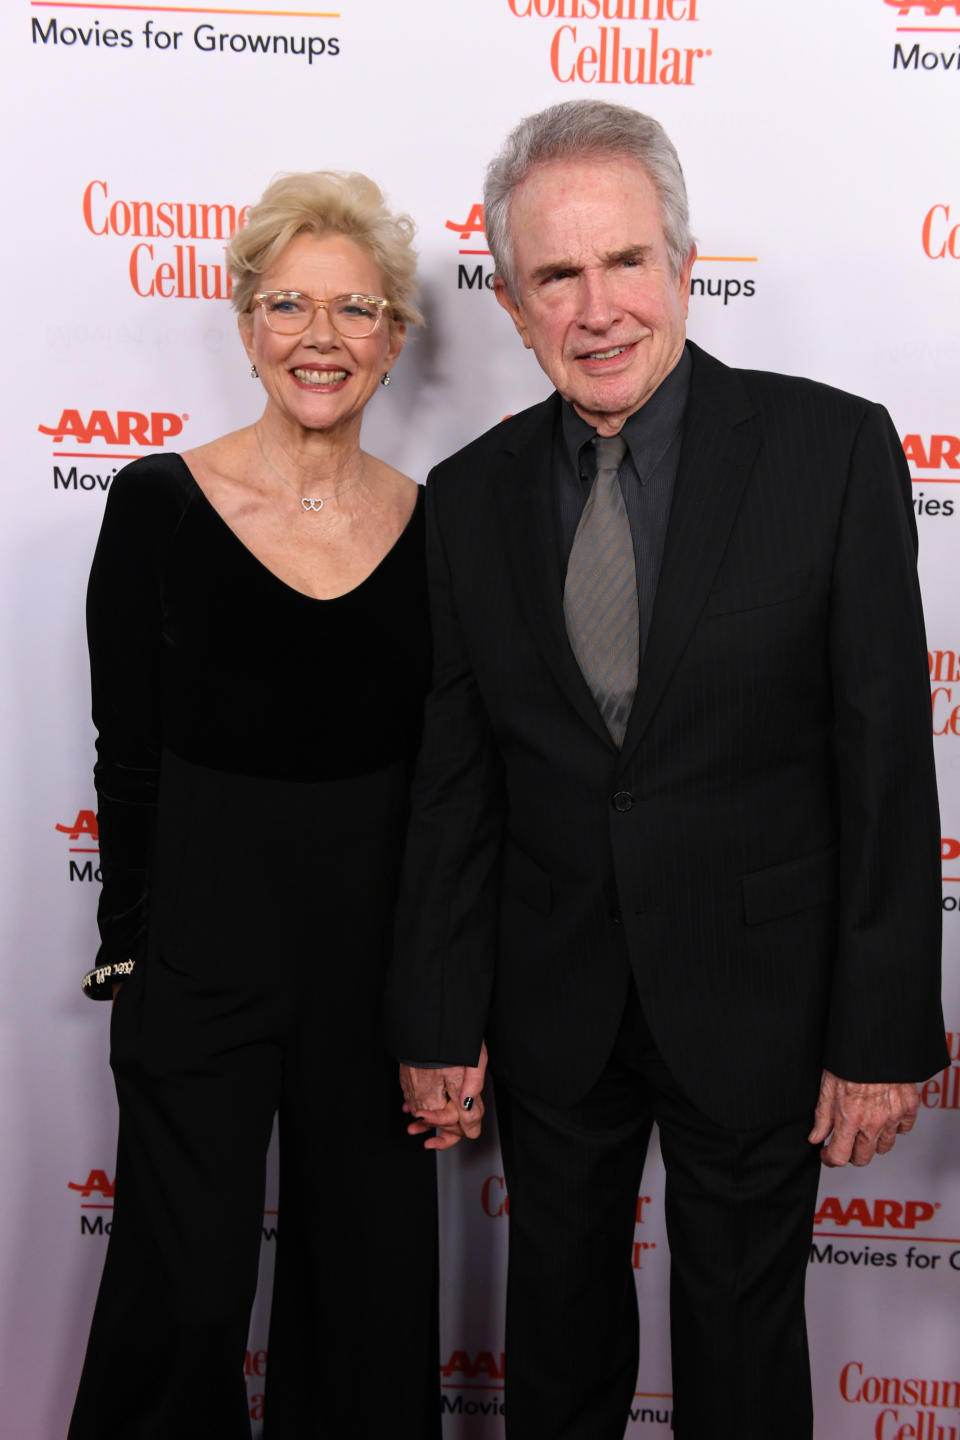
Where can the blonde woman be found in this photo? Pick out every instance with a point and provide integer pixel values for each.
(259, 652)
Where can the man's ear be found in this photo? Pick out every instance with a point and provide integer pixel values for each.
(683, 280)
(505, 299)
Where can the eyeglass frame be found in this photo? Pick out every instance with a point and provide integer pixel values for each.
(377, 300)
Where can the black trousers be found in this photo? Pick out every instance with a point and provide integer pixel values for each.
(739, 1217)
(270, 922)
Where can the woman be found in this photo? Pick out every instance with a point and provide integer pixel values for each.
(259, 652)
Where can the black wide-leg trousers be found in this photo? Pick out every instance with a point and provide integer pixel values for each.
(739, 1217)
(270, 923)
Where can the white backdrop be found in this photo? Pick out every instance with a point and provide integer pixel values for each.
(819, 139)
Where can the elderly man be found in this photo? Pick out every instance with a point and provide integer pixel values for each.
(674, 849)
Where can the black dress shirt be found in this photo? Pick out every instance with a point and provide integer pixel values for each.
(647, 475)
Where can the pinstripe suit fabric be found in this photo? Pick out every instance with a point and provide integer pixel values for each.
(758, 865)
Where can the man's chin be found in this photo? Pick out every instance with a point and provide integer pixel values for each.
(606, 410)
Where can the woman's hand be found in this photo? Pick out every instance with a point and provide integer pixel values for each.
(446, 1102)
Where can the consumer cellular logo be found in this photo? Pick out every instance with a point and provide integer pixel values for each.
(495, 1204)
(178, 271)
(904, 1405)
(939, 235)
(635, 50)
(943, 1091)
(944, 668)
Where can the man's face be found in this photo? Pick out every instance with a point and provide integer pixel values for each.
(596, 300)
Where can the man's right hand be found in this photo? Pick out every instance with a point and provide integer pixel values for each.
(445, 1103)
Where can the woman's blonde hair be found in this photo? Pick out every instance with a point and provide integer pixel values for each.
(326, 202)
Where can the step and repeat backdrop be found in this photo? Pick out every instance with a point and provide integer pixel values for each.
(819, 139)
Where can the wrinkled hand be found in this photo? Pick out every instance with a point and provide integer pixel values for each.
(438, 1101)
(861, 1120)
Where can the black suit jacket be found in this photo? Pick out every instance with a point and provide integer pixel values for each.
(763, 854)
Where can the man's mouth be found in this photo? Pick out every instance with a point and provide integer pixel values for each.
(605, 354)
(320, 378)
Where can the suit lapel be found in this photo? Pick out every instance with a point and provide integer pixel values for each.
(525, 500)
(720, 442)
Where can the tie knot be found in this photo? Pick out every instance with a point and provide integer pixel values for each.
(610, 450)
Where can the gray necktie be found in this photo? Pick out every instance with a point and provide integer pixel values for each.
(600, 593)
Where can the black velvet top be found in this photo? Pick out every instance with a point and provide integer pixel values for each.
(195, 646)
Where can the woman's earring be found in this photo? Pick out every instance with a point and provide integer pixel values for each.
(254, 373)
(385, 378)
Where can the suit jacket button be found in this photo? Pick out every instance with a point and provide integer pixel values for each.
(616, 917)
(623, 800)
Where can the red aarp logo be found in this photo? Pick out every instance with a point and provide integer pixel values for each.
(97, 1182)
(933, 452)
(473, 225)
(126, 427)
(83, 828)
(875, 1214)
(929, 7)
(481, 1362)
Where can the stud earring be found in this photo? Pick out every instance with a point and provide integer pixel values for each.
(254, 373)
(385, 379)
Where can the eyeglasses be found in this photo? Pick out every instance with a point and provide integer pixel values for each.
(290, 312)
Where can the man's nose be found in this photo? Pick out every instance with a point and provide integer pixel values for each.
(598, 307)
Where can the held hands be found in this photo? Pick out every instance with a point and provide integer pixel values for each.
(861, 1120)
(447, 1102)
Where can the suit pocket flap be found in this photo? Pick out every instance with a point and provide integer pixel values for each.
(730, 598)
(792, 886)
(523, 878)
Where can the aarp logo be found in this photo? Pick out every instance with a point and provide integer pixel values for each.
(84, 828)
(472, 274)
(875, 1214)
(119, 427)
(470, 231)
(929, 7)
(84, 836)
(96, 1202)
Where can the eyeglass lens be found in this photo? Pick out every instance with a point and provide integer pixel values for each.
(288, 312)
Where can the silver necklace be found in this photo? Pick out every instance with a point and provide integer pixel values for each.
(309, 503)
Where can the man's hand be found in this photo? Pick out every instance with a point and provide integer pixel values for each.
(446, 1103)
(861, 1120)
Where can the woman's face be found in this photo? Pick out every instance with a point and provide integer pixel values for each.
(320, 380)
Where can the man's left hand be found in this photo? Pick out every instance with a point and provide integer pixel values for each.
(861, 1120)
(446, 1104)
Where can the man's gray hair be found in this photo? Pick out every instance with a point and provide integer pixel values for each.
(575, 130)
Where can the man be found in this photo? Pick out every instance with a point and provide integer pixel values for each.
(674, 849)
